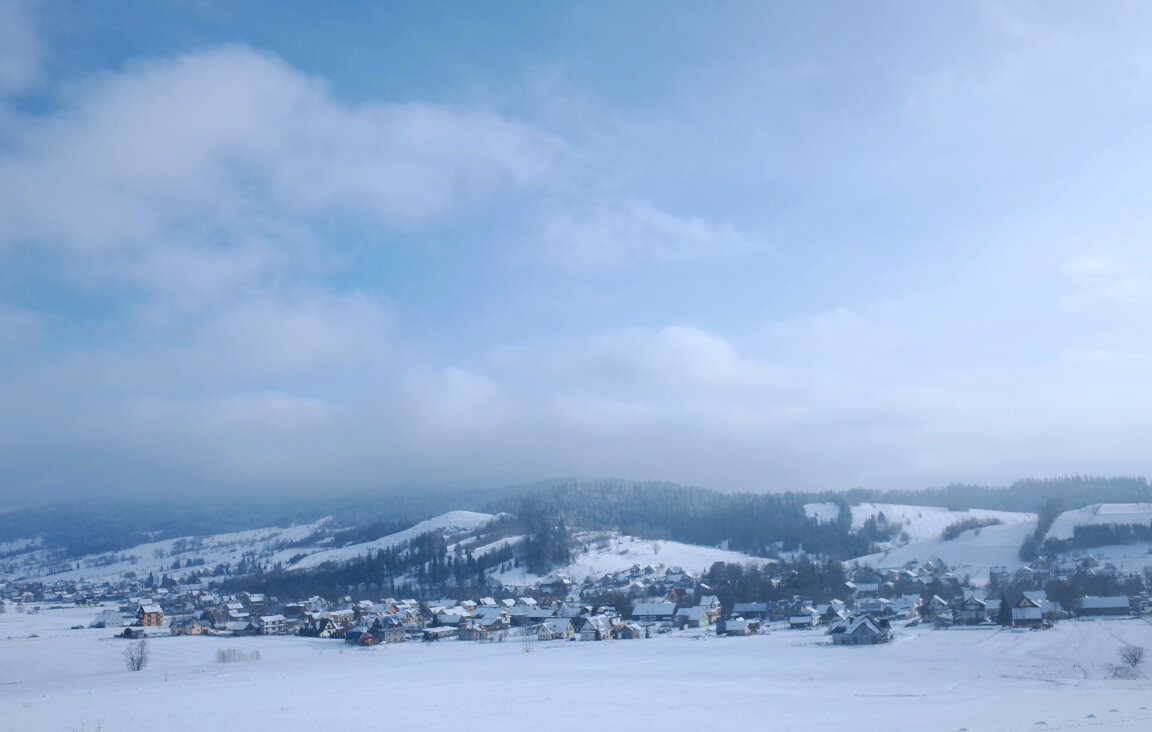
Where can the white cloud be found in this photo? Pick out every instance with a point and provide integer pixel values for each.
(218, 149)
(617, 233)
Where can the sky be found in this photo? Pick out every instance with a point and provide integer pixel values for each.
(300, 248)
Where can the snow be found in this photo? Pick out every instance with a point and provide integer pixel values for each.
(611, 552)
(825, 513)
(453, 522)
(983, 679)
(157, 556)
(972, 553)
(924, 523)
(1100, 513)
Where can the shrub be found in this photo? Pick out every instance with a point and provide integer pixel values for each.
(136, 655)
(233, 655)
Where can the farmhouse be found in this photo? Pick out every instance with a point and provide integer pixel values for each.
(859, 630)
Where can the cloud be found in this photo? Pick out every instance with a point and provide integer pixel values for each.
(21, 53)
(610, 234)
(230, 148)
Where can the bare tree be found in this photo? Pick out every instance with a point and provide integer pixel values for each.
(136, 655)
(1132, 655)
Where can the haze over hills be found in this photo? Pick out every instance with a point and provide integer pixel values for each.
(582, 530)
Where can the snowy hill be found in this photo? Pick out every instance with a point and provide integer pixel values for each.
(1100, 513)
(972, 553)
(611, 552)
(448, 524)
(269, 545)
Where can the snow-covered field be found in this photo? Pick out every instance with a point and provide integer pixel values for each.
(1100, 513)
(985, 679)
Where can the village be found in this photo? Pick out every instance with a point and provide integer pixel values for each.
(649, 601)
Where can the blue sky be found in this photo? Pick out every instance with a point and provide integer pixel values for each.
(303, 247)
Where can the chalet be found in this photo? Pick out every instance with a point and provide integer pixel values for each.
(556, 629)
(1103, 606)
(1027, 612)
(970, 611)
(149, 615)
(935, 609)
(389, 628)
(191, 626)
(596, 628)
(859, 630)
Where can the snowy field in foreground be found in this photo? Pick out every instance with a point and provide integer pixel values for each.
(984, 679)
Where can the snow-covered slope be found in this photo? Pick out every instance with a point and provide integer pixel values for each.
(1100, 513)
(610, 552)
(269, 545)
(823, 512)
(453, 522)
(972, 553)
(925, 523)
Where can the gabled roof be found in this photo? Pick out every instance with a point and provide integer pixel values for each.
(653, 608)
(1098, 603)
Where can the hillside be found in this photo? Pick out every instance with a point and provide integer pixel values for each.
(601, 553)
(971, 554)
(1100, 514)
(448, 524)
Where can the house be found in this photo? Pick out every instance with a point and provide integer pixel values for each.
(242, 627)
(435, 634)
(970, 611)
(1027, 612)
(806, 617)
(1103, 606)
(556, 629)
(191, 626)
(738, 626)
(692, 617)
(628, 631)
(751, 610)
(596, 628)
(273, 625)
(149, 615)
(108, 619)
(936, 609)
(389, 629)
(653, 612)
(479, 630)
(361, 636)
(859, 630)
